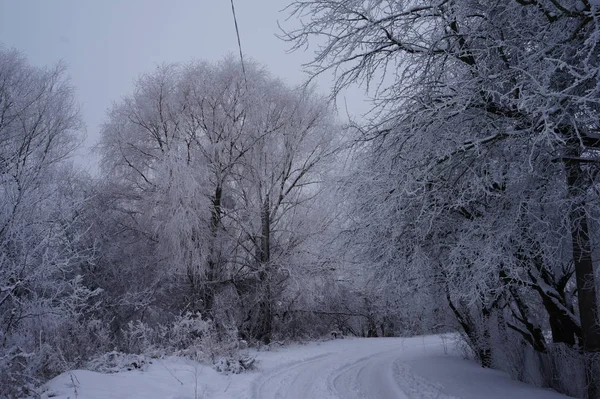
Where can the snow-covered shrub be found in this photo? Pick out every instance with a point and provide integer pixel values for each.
(183, 333)
(235, 365)
(139, 337)
(114, 362)
(561, 368)
(188, 330)
(189, 336)
(229, 355)
(566, 370)
(55, 336)
(41, 353)
(17, 376)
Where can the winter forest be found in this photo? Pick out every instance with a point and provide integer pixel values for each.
(232, 209)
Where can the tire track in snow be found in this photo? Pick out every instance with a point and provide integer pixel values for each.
(358, 372)
(279, 384)
(370, 378)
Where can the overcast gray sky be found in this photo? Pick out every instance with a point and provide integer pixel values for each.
(107, 44)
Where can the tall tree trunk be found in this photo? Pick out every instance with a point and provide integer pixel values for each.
(266, 312)
(485, 346)
(213, 262)
(584, 270)
(265, 220)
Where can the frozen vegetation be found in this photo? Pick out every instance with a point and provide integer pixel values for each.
(233, 212)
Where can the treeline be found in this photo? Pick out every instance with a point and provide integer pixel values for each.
(214, 219)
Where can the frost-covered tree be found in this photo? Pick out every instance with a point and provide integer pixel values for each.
(43, 301)
(484, 148)
(218, 168)
(280, 185)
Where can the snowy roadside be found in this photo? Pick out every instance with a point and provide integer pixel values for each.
(419, 367)
(180, 378)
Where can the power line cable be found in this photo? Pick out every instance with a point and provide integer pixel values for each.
(237, 32)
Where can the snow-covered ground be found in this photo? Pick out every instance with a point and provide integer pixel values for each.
(390, 368)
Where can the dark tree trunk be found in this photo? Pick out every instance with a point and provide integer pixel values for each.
(577, 183)
(265, 323)
(371, 328)
(214, 259)
(564, 330)
(480, 345)
(485, 347)
(582, 258)
(533, 335)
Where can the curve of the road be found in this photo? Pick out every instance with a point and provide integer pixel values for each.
(368, 370)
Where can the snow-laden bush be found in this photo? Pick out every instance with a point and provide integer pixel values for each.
(55, 336)
(566, 370)
(114, 362)
(235, 365)
(30, 358)
(185, 333)
(189, 336)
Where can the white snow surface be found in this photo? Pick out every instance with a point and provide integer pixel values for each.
(367, 368)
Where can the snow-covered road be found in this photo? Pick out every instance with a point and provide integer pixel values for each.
(352, 371)
(373, 368)
(390, 369)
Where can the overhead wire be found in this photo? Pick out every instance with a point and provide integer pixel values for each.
(237, 32)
